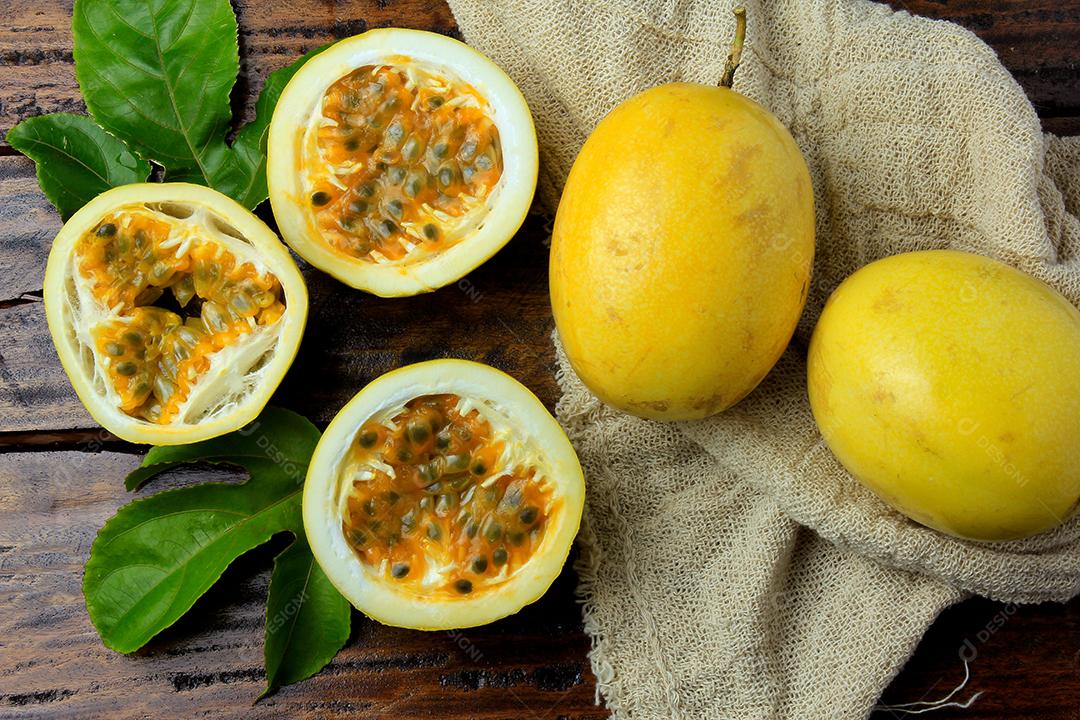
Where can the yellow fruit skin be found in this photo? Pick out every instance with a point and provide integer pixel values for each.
(681, 252)
(949, 384)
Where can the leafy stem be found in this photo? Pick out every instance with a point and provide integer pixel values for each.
(156, 78)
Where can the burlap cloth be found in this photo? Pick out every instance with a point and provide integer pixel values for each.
(730, 567)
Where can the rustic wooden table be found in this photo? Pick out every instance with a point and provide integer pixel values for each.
(60, 476)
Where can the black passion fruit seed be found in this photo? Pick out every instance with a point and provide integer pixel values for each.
(419, 432)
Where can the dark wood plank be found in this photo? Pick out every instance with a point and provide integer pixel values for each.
(34, 392)
(53, 665)
(1024, 659)
(499, 314)
(1035, 40)
(28, 224)
(532, 665)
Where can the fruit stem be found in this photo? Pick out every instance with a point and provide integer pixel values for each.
(736, 48)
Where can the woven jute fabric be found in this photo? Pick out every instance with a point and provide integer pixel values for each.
(730, 567)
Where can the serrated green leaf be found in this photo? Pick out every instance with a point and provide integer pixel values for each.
(157, 556)
(75, 158)
(158, 74)
(307, 619)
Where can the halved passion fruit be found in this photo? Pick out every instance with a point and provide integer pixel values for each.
(174, 310)
(399, 160)
(443, 495)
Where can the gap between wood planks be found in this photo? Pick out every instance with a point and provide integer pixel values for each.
(92, 441)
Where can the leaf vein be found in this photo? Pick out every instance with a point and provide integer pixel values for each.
(123, 21)
(104, 44)
(68, 155)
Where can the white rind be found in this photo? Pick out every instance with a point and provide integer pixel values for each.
(509, 401)
(71, 339)
(507, 207)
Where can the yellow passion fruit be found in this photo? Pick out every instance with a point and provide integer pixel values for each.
(175, 311)
(444, 495)
(399, 160)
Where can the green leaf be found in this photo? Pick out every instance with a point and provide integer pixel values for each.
(278, 434)
(75, 158)
(307, 619)
(249, 145)
(157, 556)
(158, 74)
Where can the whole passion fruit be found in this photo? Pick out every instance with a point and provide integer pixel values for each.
(399, 160)
(949, 384)
(682, 250)
(444, 495)
(174, 310)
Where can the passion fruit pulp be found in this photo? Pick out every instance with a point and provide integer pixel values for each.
(400, 152)
(399, 160)
(444, 495)
(175, 311)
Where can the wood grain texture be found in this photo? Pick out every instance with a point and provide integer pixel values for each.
(533, 665)
(1024, 659)
(52, 664)
(499, 314)
(1035, 39)
(60, 475)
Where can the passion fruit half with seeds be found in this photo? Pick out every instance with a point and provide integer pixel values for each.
(444, 495)
(400, 160)
(174, 310)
